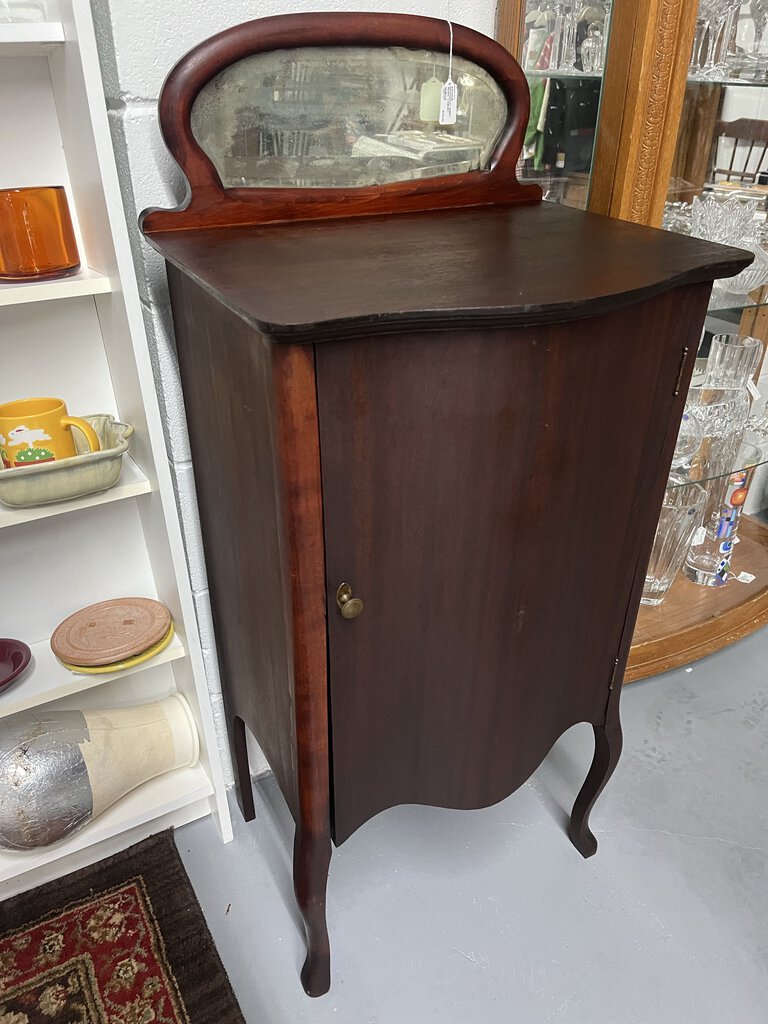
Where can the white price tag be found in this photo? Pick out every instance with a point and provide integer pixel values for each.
(448, 95)
(753, 389)
(699, 537)
(745, 577)
(429, 101)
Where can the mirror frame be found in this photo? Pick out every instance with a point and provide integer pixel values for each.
(210, 204)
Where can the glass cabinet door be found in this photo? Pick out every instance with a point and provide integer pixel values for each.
(718, 186)
(562, 48)
(670, 124)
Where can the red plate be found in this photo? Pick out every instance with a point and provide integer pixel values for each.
(14, 658)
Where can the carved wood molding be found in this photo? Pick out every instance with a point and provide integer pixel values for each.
(643, 93)
(642, 98)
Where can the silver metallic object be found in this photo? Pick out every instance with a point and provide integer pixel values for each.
(61, 769)
(45, 792)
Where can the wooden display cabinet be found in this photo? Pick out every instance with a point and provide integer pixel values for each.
(431, 420)
(655, 141)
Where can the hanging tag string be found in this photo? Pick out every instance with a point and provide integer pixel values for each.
(449, 92)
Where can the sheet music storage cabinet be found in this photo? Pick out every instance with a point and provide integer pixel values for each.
(431, 422)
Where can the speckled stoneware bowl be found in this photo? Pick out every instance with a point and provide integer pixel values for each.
(87, 473)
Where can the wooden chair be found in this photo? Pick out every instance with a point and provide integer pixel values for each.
(753, 134)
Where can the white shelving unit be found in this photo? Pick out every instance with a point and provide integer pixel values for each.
(132, 482)
(81, 338)
(85, 282)
(47, 680)
(30, 40)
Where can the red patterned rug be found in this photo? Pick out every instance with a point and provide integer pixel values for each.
(121, 942)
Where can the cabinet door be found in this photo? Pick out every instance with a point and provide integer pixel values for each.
(487, 495)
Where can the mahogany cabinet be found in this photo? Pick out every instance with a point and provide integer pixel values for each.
(431, 420)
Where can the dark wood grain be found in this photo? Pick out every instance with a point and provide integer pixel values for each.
(466, 414)
(608, 745)
(298, 454)
(254, 436)
(522, 265)
(210, 204)
(227, 375)
(691, 309)
(489, 497)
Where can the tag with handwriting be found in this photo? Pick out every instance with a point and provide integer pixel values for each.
(448, 95)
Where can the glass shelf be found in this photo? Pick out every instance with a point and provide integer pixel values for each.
(569, 73)
(747, 459)
(575, 73)
(749, 83)
(724, 302)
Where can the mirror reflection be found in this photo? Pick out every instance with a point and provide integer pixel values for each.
(345, 117)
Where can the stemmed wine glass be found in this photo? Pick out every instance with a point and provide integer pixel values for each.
(758, 11)
(712, 37)
(699, 36)
(721, 16)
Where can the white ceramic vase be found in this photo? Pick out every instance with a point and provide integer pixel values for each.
(61, 769)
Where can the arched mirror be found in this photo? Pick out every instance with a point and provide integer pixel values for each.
(345, 117)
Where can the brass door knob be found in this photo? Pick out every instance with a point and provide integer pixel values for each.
(350, 607)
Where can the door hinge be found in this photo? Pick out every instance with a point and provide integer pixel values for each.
(614, 674)
(680, 372)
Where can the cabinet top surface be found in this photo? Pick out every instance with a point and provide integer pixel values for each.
(490, 266)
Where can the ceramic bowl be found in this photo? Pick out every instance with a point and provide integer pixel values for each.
(14, 658)
(86, 473)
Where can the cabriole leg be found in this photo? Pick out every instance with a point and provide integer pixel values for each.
(608, 742)
(311, 858)
(243, 783)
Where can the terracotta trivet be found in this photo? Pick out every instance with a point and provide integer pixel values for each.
(110, 631)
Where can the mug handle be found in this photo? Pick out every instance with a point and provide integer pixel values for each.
(86, 428)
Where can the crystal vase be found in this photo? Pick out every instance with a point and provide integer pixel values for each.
(680, 518)
(709, 561)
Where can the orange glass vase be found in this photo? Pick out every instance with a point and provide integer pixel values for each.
(36, 235)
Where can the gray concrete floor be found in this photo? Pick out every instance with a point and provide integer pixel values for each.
(491, 917)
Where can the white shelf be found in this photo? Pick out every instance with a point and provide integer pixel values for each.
(29, 39)
(85, 282)
(95, 355)
(131, 483)
(159, 796)
(46, 679)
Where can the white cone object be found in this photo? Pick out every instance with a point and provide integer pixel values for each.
(61, 769)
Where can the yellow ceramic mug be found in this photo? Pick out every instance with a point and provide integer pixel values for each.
(35, 430)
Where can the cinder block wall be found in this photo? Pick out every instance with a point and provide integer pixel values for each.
(139, 42)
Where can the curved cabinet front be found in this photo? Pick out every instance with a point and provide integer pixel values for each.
(486, 495)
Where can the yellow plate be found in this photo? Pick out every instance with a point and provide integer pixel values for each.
(118, 666)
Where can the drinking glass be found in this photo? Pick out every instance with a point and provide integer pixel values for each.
(709, 560)
(36, 234)
(680, 518)
(592, 50)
